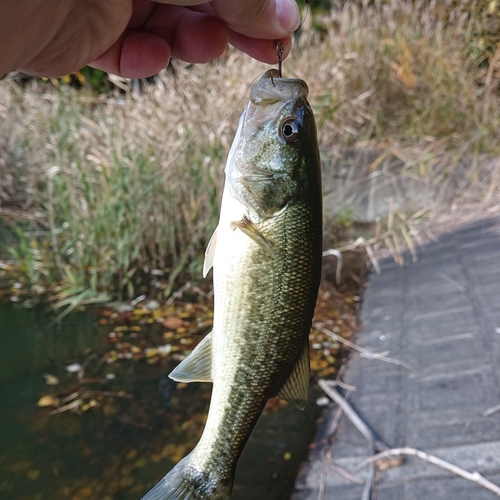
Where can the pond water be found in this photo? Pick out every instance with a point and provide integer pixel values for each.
(142, 422)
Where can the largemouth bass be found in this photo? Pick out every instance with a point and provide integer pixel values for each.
(266, 258)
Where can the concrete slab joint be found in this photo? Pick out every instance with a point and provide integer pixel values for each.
(449, 331)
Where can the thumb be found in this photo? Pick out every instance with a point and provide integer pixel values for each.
(259, 18)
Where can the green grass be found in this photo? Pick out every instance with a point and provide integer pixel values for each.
(113, 187)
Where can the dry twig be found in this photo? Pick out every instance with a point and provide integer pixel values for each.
(373, 444)
(475, 477)
(337, 254)
(333, 394)
(364, 352)
(491, 411)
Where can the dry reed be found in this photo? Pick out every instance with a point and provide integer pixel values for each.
(121, 184)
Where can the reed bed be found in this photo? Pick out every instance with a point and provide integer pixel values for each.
(107, 190)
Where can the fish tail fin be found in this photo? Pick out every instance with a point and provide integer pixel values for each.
(187, 482)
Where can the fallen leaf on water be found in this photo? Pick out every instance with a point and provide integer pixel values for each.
(85, 492)
(19, 466)
(126, 482)
(151, 352)
(142, 462)
(45, 401)
(173, 322)
(87, 406)
(75, 367)
(50, 379)
(33, 474)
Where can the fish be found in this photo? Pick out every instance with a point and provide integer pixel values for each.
(266, 256)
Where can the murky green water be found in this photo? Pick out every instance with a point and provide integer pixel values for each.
(118, 450)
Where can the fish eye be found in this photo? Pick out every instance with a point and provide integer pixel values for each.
(289, 130)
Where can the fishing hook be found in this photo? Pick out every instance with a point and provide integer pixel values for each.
(279, 51)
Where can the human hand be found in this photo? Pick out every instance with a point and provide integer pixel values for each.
(136, 38)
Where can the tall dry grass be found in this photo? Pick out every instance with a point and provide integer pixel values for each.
(121, 184)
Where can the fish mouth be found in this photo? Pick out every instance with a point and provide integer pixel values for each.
(271, 88)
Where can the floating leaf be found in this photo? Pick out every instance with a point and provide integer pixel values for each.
(163, 350)
(48, 400)
(51, 379)
(19, 466)
(33, 474)
(73, 368)
(173, 322)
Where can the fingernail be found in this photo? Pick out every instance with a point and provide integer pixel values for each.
(287, 12)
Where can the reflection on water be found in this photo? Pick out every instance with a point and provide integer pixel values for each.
(120, 449)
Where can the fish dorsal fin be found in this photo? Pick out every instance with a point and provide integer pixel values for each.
(296, 388)
(209, 254)
(248, 228)
(197, 367)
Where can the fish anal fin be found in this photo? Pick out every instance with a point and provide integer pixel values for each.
(248, 228)
(209, 254)
(197, 367)
(296, 388)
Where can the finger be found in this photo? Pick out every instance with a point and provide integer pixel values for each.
(182, 3)
(270, 19)
(262, 50)
(135, 55)
(170, 31)
(193, 36)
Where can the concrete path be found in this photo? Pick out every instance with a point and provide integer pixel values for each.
(442, 316)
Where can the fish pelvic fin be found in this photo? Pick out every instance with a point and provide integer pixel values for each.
(186, 482)
(296, 389)
(197, 367)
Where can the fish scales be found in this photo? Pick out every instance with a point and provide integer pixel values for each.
(266, 255)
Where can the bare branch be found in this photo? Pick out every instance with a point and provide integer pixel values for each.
(451, 281)
(338, 254)
(373, 444)
(475, 477)
(333, 394)
(491, 411)
(364, 352)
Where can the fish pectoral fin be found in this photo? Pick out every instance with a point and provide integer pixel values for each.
(197, 367)
(248, 228)
(296, 388)
(209, 254)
